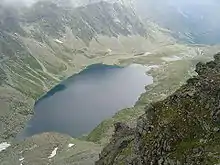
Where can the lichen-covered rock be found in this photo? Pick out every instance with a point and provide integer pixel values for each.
(182, 129)
(121, 139)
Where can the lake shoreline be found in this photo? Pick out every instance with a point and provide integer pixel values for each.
(62, 85)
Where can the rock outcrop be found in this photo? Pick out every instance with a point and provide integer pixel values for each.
(182, 129)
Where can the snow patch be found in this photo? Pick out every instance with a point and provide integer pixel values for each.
(116, 20)
(173, 58)
(109, 50)
(21, 159)
(71, 145)
(136, 66)
(144, 67)
(54, 152)
(58, 41)
(3, 146)
(147, 53)
(129, 27)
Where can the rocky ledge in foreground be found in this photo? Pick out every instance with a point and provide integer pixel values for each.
(182, 129)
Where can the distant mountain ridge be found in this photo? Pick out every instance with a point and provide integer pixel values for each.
(85, 22)
(191, 21)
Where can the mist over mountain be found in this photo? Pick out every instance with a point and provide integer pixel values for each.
(18, 2)
(191, 21)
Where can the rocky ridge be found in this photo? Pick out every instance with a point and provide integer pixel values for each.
(184, 128)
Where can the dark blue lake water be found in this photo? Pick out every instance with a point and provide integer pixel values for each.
(80, 103)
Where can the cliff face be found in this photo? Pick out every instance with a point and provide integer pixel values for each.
(182, 129)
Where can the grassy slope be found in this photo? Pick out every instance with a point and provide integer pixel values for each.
(168, 76)
(40, 47)
(37, 149)
(30, 67)
(178, 129)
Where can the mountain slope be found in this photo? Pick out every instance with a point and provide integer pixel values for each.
(181, 129)
(43, 44)
(51, 148)
(49, 41)
(40, 47)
